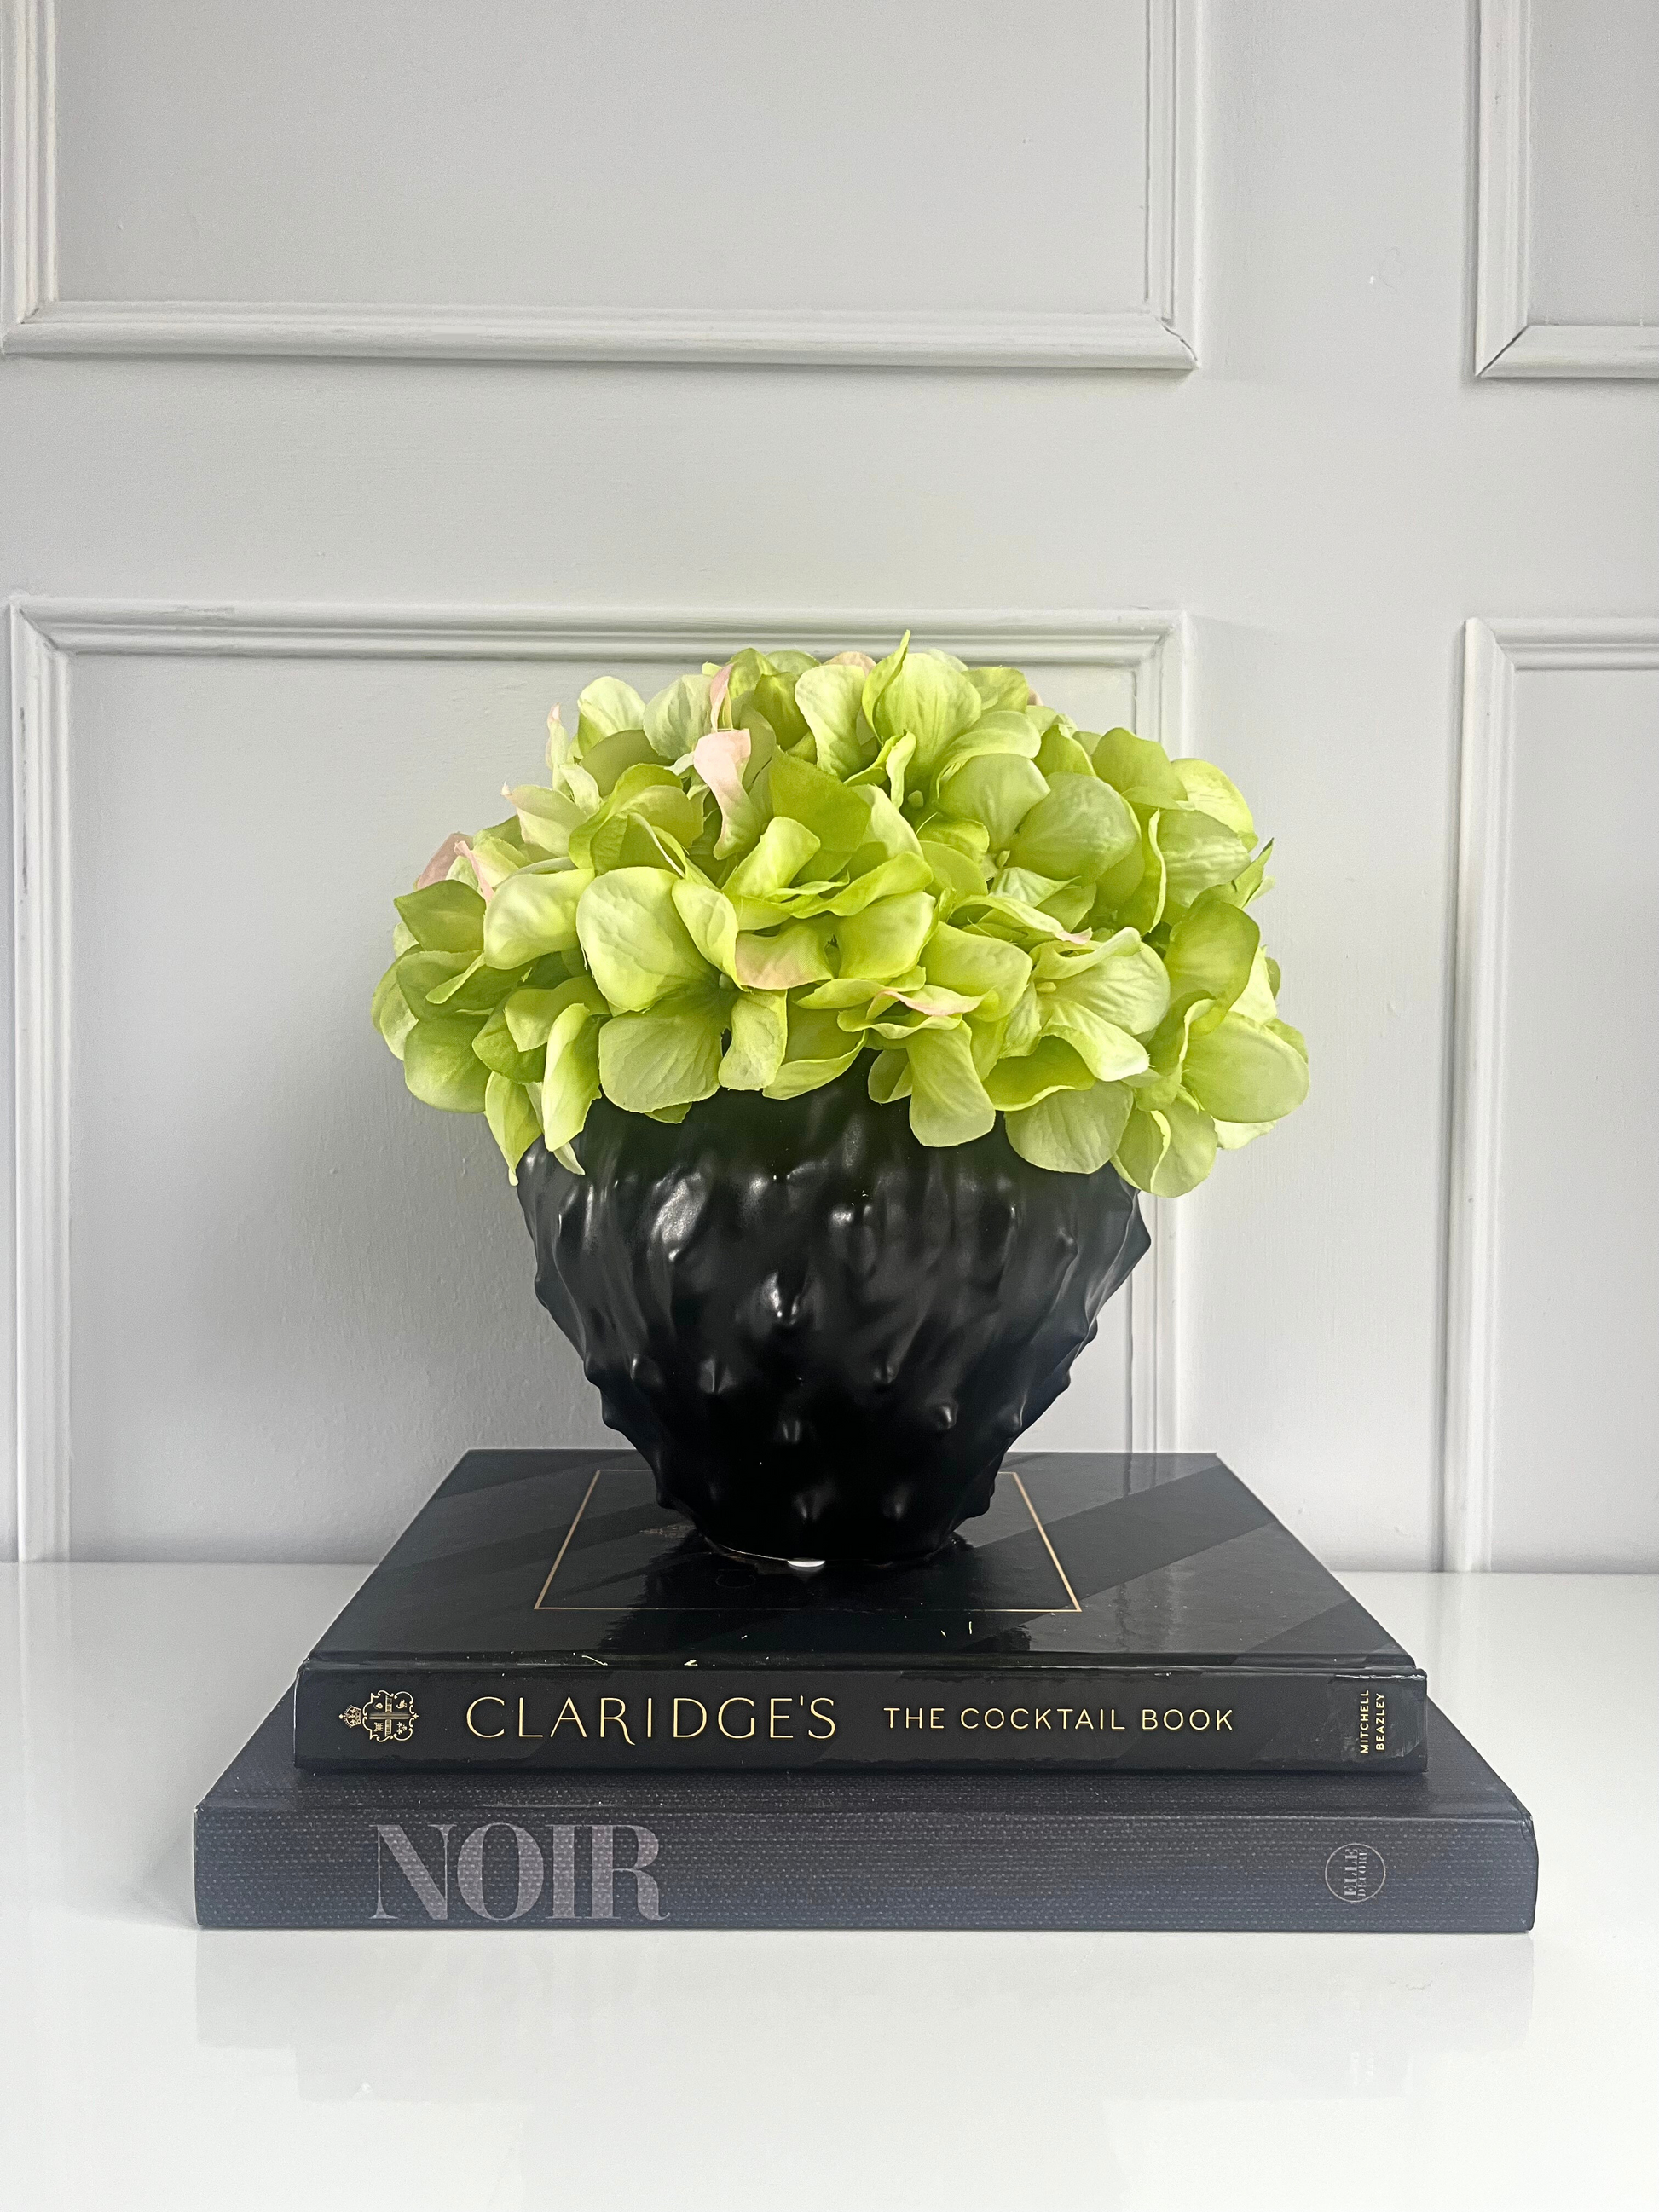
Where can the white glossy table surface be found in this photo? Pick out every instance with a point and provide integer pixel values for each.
(148, 2063)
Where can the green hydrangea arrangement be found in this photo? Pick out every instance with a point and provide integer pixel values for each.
(776, 867)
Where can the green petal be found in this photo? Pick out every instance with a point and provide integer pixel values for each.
(880, 676)
(890, 1076)
(572, 1081)
(891, 766)
(494, 1045)
(784, 848)
(652, 1060)
(531, 1013)
(1071, 905)
(1256, 1000)
(954, 874)
(928, 698)
(905, 871)
(391, 1012)
(886, 832)
(441, 1068)
(712, 921)
(832, 699)
(971, 839)
(1081, 828)
(437, 985)
(838, 818)
(1024, 1024)
(607, 707)
(782, 960)
(748, 670)
(1015, 915)
(607, 760)
(999, 688)
(1139, 767)
(634, 940)
(999, 789)
(1144, 909)
(652, 794)
(546, 818)
(476, 990)
(678, 716)
(760, 1031)
(1064, 756)
(885, 940)
(419, 974)
(894, 1009)
(1245, 1071)
(533, 913)
(445, 917)
(513, 1121)
(1167, 1051)
(817, 1051)
(1199, 853)
(1219, 795)
(502, 851)
(948, 1104)
(1073, 1132)
(1130, 988)
(1053, 1066)
(1110, 1053)
(989, 968)
(1250, 883)
(1168, 1150)
(1233, 1136)
(774, 697)
(1002, 730)
(1213, 949)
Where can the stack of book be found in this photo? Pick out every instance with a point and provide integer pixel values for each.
(1126, 1698)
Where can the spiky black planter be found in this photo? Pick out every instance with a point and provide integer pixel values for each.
(822, 1336)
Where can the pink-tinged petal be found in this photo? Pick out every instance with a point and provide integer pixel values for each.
(764, 965)
(1032, 697)
(717, 691)
(851, 660)
(476, 866)
(443, 861)
(720, 759)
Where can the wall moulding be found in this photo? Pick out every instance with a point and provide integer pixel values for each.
(1508, 341)
(1494, 655)
(1157, 333)
(49, 636)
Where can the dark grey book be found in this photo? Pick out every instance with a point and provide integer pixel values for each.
(1447, 1849)
(1111, 1610)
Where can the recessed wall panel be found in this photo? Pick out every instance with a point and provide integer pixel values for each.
(293, 1296)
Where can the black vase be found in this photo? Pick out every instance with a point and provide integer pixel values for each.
(822, 1336)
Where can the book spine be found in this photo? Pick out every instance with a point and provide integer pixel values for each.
(629, 1862)
(558, 1719)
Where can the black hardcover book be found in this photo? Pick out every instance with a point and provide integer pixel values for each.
(544, 1611)
(1449, 1849)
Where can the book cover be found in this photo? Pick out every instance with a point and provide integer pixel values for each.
(1447, 1849)
(1111, 1610)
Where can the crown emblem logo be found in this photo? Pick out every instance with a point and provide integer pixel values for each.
(384, 1716)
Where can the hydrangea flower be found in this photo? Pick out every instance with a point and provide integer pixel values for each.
(776, 868)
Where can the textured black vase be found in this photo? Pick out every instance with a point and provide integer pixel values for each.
(822, 1336)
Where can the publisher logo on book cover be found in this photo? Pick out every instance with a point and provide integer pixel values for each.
(384, 1716)
(1355, 1873)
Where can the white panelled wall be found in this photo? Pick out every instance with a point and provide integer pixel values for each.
(1276, 373)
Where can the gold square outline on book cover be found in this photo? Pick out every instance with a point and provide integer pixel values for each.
(1012, 1473)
